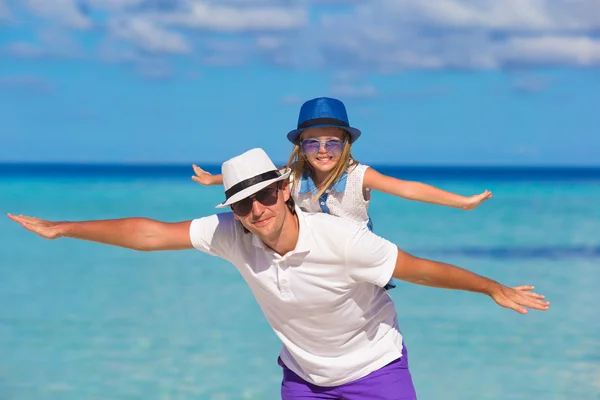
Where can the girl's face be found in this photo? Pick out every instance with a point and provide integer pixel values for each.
(322, 147)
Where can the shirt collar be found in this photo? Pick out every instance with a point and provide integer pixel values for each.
(301, 245)
(308, 185)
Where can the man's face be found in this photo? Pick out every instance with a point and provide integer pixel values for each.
(268, 211)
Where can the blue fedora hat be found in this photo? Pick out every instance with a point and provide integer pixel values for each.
(323, 111)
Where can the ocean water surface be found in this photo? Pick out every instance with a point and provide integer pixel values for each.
(80, 320)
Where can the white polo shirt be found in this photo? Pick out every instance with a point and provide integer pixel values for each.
(324, 300)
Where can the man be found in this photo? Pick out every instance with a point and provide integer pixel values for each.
(318, 279)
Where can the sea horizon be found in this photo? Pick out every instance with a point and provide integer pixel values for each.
(405, 171)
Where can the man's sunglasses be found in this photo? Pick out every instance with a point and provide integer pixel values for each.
(312, 146)
(266, 197)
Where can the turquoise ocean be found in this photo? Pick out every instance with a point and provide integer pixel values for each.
(80, 320)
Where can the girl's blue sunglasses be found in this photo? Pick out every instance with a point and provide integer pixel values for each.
(312, 146)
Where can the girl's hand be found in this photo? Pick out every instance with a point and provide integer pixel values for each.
(474, 201)
(202, 177)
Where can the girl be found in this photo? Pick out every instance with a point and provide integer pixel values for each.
(326, 178)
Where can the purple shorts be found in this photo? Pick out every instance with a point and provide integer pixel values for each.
(392, 382)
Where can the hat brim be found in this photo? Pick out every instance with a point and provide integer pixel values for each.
(242, 194)
(354, 133)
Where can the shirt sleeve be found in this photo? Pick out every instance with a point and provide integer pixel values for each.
(215, 234)
(370, 258)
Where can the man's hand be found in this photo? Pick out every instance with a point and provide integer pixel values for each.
(518, 298)
(141, 234)
(441, 275)
(45, 229)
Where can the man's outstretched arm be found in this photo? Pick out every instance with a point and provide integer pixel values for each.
(437, 274)
(141, 234)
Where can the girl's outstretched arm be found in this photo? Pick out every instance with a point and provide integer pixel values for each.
(421, 192)
(205, 178)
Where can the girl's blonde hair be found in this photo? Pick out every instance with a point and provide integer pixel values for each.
(300, 165)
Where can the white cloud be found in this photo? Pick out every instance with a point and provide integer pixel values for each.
(227, 52)
(202, 15)
(552, 50)
(391, 35)
(114, 4)
(292, 99)
(146, 65)
(354, 91)
(112, 51)
(423, 93)
(335, 2)
(529, 84)
(66, 12)
(4, 11)
(460, 13)
(25, 50)
(347, 35)
(155, 71)
(528, 15)
(270, 43)
(51, 44)
(349, 84)
(26, 82)
(148, 36)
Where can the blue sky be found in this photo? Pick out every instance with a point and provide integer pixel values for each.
(179, 81)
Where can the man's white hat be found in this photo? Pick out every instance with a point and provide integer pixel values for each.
(248, 173)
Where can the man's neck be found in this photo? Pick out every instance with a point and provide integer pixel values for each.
(288, 236)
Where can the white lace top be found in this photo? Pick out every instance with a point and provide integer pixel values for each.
(344, 198)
